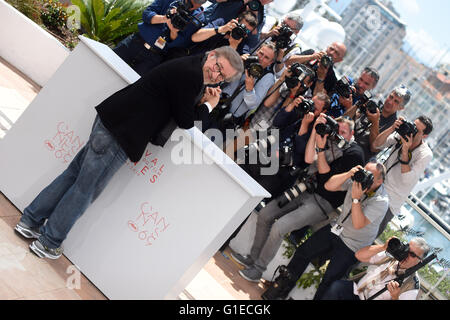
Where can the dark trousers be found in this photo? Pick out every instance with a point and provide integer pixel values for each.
(340, 290)
(136, 55)
(323, 243)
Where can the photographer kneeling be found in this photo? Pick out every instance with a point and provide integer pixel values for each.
(357, 226)
(295, 208)
(387, 261)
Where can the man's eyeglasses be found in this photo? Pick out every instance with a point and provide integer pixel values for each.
(413, 255)
(218, 68)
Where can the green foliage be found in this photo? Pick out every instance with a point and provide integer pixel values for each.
(313, 277)
(290, 247)
(109, 21)
(53, 14)
(432, 276)
(29, 8)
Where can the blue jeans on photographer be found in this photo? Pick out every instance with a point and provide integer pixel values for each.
(63, 201)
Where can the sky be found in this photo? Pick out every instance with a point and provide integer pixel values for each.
(428, 27)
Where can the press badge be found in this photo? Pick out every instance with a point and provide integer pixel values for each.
(160, 43)
(337, 229)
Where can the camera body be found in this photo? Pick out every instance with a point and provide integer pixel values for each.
(182, 17)
(286, 153)
(364, 177)
(305, 107)
(343, 88)
(406, 129)
(299, 73)
(370, 106)
(397, 249)
(326, 61)
(254, 68)
(239, 31)
(331, 127)
(283, 40)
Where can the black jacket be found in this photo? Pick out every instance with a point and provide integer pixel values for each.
(136, 114)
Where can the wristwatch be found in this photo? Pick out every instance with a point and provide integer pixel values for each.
(318, 150)
(355, 201)
(216, 29)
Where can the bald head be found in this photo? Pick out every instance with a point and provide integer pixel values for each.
(337, 51)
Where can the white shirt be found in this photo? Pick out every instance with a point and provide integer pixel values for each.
(399, 185)
(379, 284)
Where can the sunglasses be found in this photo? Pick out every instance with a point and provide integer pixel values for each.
(413, 255)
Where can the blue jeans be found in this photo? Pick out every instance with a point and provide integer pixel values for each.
(323, 244)
(136, 55)
(63, 201)
(340, 290)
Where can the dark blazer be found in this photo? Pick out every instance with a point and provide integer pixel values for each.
(136, 114)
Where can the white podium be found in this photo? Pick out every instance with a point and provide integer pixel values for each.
(157, 222)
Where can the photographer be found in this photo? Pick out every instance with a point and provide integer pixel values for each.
(326, 77)
(355, 228)
(275, 220)
(382, 271)
(247, 93)
(408, 158)
(294, 23)
(296, 127)
(153, 103)
(370, 123)
(229, 9)
(148, 47)
(217, 33)
(340, 104)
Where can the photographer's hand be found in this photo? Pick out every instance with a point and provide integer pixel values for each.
(294, 104)
(249, 82)
(357, 191)
(394, 289)
(374, 118)
(346, 102)
(307, 120)
(235, 43)
(173, 31)
(228, 27)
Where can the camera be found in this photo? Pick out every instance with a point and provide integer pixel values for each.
(305, 107)
(370, 106)
(239, 32)
(326, 61)
(397, 249)
(306, 183)
(260, 146)
(286, 152)
(251, 64)
(283, 40)
(299, 73)
(331, 127)
(364, 99)
(406, 129)
(364, 177)
(182, 17)
(343, 88)
(254, 5)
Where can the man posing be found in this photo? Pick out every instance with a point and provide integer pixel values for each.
(126, 122)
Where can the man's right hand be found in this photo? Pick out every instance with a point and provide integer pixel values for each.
(212, 96)
(228, 27)
(353, 170)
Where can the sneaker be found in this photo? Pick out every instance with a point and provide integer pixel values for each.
(26, 231)
(251, 274)
(44, 252)
(245, 261)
